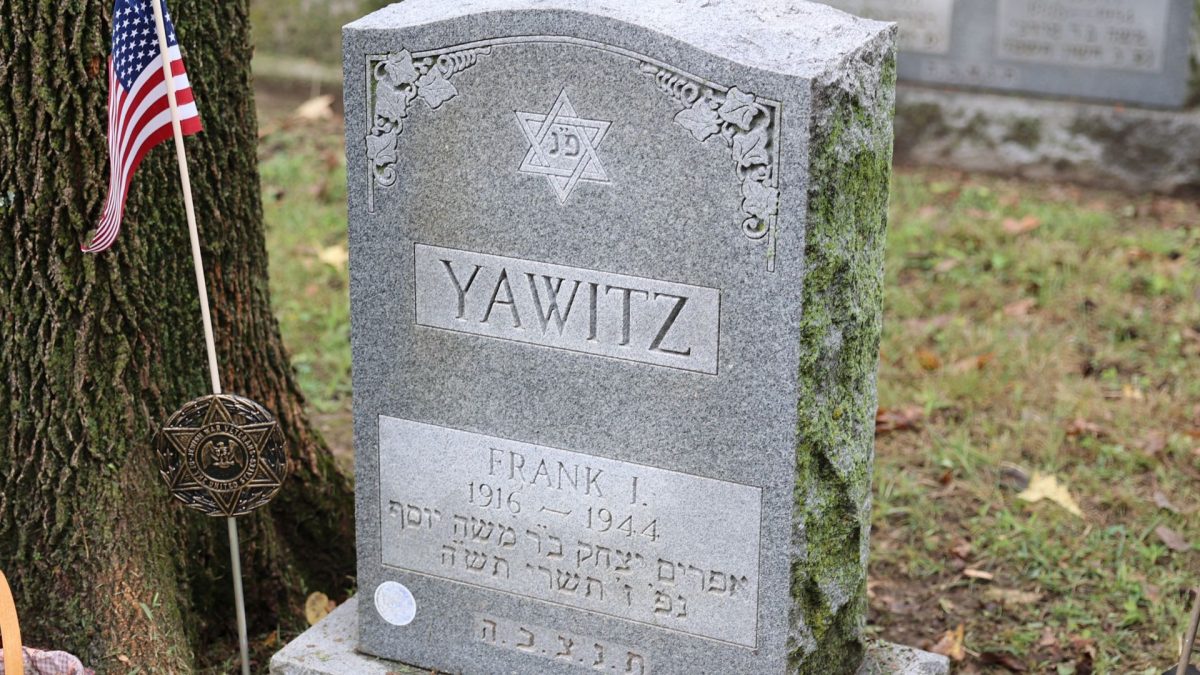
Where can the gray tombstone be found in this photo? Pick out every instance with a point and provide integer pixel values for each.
(616, 280)
(1134, 51)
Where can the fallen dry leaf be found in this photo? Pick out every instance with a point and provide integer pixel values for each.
(981, 575)
(317, 607)
(888, 420)
(928, 359)
(1137, 254)
(1020, 308)
(1022, 226)
(1003, 659)
(1045, 486)
(1048, 640)
(317, 108)
(1086, 649)
(945, 265)
(1154, 442)
(930, 324)
(1162, 502)
(951, 644)
(334, 256)
(1132, 393)
(1172, 539)
(1010, 597)
(972, 363)
(961, 550)
(1082, 427)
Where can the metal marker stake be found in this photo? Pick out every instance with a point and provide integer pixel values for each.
(209, 342)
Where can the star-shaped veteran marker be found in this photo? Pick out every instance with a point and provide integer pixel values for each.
(562, 147)
(223, 455)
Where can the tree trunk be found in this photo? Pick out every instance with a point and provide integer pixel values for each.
(96, 351)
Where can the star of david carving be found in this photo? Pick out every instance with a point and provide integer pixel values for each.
(222, 455)
(562, 147)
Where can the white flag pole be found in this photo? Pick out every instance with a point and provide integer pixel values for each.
(209, 341)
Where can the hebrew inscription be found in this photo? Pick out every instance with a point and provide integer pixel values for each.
(1117, 34)
(632, 318)
(588, 653)
(662, 548)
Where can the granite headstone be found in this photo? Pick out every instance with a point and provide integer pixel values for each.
(1133, 51)
(616, 280)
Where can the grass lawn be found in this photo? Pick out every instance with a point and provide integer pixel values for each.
(1032, 332)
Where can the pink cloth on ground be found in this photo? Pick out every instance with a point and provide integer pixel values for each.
(38, 662)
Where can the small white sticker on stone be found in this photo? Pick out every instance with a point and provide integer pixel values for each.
(395, 603)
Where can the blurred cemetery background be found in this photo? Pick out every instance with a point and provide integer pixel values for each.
(1038, 438)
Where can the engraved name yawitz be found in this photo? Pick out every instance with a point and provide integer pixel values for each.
(637, 319)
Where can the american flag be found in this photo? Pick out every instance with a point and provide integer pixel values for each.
(139, 116)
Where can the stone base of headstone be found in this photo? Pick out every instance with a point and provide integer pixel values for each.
(1095, 144)
(328, 648)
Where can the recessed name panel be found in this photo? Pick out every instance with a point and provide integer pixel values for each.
(663, 548)
(633, 318)
(1127, 35)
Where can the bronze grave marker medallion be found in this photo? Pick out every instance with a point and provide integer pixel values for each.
(223, 455)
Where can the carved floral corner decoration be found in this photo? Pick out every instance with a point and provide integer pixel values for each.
(748, 125)
(400, 79)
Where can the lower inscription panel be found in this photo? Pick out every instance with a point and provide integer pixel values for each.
(663, 548)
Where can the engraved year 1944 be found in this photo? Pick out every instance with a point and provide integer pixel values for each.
(509, 468)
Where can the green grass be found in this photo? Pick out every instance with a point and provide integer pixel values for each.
(1111, 339)
(304, 207)
(1110, 336)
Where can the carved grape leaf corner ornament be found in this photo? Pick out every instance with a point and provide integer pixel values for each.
(748, 124)
(745, 123)
(400, 80)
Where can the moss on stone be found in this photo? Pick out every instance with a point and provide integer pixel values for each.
(1195, 56)
(1025, 131)
(851, 156)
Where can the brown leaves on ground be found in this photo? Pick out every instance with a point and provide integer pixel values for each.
(1023, 226)
(961, 550)
(1020, 308)
(1012, 598)
(1004, 660)
(1163, 502)
(1080, 427)
(316, 108)
(907, 418)
(335, 256)
(1172, 539)
(928, 359)
(972, 363)
(1046, 486)
(317, 607)
(951, 644)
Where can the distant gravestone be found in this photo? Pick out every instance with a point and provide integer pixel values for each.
(1135, 51)
(616, 281)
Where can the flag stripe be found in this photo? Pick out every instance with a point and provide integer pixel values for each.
(139, 116)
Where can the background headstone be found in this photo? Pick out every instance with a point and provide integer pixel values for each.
(1135, 51)
(616, 282)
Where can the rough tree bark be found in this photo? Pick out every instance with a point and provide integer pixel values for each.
(97, 350)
